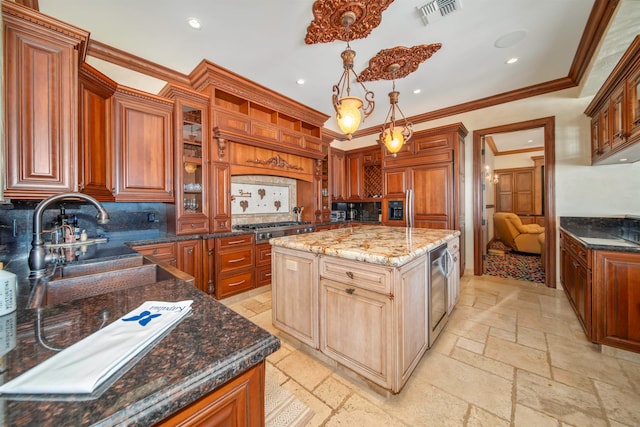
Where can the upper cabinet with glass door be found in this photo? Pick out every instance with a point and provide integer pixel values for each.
(190, 213)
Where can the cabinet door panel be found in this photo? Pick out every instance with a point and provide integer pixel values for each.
(41, 110)
(356, 329)
(220, 209)
(618, 281)
(395, 182)
(433, 201)
(190, 259)
(355, 186)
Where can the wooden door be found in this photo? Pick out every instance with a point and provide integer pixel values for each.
(143, 147)
(433, 196)
(523, 198)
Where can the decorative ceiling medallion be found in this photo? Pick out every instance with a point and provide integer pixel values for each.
(407, 60)
(327, 23)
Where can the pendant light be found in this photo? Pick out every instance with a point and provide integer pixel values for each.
(392, 135)
(350, 110)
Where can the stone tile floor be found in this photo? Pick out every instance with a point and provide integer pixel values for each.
(512, 354)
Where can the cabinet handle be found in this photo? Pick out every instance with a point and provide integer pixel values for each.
(237, 259)
(267, 275)
(350, 291)
(235, 242)
(190, 251)
(349, 275)
(236, 283)
(210, 252)
(193, 226)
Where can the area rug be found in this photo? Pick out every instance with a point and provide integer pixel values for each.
(283, 409)
(502, 262)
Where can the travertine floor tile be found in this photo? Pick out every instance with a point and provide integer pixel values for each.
(445, 342)
(518, 356)
(465, 328)
(573, 379)
(479, 361)
(558, 400)
(532, 338)
(502, 334)
(466, 382)
(473, 346)
(321, 411)
(332, 392)
(526, 417)
(304, 369)
(478, 417)
(358, 411)
(620, 404)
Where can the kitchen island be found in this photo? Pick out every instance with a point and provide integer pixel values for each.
(361, 296)
(213, 358)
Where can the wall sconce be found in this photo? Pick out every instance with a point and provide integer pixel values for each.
(492, 178)
(350, 110)
(391, 136)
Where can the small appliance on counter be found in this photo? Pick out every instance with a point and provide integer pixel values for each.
(338, 216)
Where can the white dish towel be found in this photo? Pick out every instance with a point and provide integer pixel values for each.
(82, 367)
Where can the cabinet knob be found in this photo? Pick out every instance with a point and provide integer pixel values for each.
(193, 226)
(190, 251)
(349, 275)
(155, 251)
(350, 291)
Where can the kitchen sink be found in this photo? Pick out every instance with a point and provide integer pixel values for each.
(76, 281)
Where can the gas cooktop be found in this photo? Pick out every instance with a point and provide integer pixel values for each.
(263, 225)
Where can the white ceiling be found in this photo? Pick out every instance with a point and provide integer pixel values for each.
(264, 42)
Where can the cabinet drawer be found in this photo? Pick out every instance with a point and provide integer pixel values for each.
(188, 226)
(232, 285)
(362, 275)
(158, 250)
(263, 275)
(263, 254)
(580, 252)
(235, 259)
(233, 241)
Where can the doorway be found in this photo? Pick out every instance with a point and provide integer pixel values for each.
(480, 219)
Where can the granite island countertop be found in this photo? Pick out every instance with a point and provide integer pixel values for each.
(391, 246)
(211, 346)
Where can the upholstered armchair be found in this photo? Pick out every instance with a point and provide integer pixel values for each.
(516, 235)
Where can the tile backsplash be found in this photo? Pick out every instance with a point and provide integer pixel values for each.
(262, 198)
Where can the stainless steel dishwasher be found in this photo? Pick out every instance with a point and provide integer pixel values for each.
(441, 263)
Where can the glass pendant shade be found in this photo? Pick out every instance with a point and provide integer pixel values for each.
(348, 114)
(393, 140)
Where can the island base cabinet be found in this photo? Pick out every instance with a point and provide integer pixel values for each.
(355, 326)
(617, 296)
(238, 403)
(294, 294)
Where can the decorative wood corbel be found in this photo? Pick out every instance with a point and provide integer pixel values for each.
(222, 143)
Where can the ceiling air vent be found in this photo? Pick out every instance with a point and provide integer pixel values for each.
(437, 9)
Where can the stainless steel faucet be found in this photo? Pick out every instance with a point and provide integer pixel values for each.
(38, 257)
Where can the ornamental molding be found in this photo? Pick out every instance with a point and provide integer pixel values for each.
(407, 60)
(276, 161)
(327, 22)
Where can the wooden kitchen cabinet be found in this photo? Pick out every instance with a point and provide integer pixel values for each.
(189, 260)
(239, 402)
(355, 176)
(209, 265)
(263, 264)
(515, 191)
(575, 275)
(364, 174)
(349, 314)
(95, 148)
(143, 140)
(189, 214)
(185, 255)
(617, 299)
(338, 172)
(295, 295)
(615, 112)
(234, 265)
(41, 62)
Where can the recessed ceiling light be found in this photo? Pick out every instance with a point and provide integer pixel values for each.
(530, 141)
(300, 81)
(512, 60)
(624, 159)
(510, 39)
(417, 91)
(194, 23)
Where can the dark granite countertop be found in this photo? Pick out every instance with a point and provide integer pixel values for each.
(620, 234)
(205, 350)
